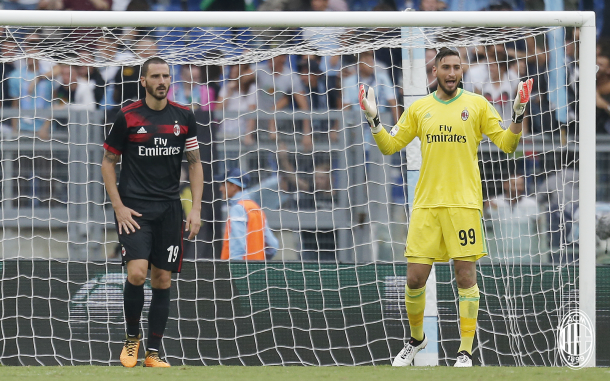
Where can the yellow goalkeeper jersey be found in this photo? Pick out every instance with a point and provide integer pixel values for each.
(450, 133)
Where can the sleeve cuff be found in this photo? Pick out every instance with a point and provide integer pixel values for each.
(377, 129)
(112, 149)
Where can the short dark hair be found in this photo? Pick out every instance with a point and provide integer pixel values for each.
(152, 60)
(445, 52)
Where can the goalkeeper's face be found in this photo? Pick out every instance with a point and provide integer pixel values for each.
(448, 74)
(157, 81)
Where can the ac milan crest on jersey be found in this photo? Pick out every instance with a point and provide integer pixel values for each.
(176, 129)
(465, 115)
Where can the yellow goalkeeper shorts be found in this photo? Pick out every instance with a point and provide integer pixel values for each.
(441, 234)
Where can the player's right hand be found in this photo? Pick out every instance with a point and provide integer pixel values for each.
(368, 104)
(124, 219)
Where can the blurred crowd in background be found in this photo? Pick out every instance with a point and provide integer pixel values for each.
(306, 177)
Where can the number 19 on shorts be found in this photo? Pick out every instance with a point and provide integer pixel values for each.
(467, 237)
(173, 253)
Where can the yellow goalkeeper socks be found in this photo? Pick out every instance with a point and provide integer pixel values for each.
(469, 310)
(416, 303)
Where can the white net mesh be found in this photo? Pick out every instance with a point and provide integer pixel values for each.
(182, 45)
(281, 105)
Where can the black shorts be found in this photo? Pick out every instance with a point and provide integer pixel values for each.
(159, 239)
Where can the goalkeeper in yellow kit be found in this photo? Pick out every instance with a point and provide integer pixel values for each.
(446, 219)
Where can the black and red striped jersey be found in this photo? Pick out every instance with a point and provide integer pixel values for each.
(152, 144)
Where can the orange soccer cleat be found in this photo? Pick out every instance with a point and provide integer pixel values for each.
(129, 354)
(152, 360)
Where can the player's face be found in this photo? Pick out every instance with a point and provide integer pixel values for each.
(448, 73)
(157, 80)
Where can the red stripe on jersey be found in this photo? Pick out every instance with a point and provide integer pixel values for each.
(169, 129)
(179, 105)
(132, 106)
(112, 149)
(139, 138)
(134, 119)
(181, 247)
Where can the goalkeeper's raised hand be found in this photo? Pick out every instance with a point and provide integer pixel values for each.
(523, 96)
(368, 104)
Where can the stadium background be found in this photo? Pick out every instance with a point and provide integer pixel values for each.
(238, 312)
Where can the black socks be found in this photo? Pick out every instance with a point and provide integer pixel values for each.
(157, 317)
(133, 299)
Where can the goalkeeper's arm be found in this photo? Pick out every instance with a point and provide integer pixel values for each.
(523, 96)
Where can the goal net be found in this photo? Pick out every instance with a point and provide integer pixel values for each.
(281, 105)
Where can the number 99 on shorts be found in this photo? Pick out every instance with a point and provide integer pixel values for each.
(445, 233)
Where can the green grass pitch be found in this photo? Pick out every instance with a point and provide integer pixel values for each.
(296, 373)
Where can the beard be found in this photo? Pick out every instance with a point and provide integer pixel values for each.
(441, 84)
(150, 90)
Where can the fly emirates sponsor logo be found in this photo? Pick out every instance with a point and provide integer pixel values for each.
(445, 136)
(160, 149)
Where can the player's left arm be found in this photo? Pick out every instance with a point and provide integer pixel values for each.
(524, 90)
(193, 220)
(507, 140)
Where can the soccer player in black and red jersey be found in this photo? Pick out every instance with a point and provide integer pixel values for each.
(151, 135)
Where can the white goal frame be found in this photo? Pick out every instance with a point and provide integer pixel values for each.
(583, 20)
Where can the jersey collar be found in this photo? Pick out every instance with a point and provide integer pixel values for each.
(460, 92)
(146, 106)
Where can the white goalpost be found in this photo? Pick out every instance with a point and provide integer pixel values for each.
(275, 94)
